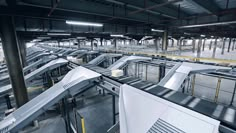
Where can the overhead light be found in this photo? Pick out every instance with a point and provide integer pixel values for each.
(203, 35)
(58, 34)
(187, 33)
(117, 35)
(212, 36)
(43, 37)
(84, 23)
(155, 30)
(209, 24)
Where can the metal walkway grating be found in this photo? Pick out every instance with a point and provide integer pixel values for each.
(160, 126)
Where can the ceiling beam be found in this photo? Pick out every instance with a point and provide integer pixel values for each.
(207, 6)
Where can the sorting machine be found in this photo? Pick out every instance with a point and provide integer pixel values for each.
(144, 106)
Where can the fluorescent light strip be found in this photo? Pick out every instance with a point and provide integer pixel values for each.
(83, 23)
(58, 34)
(210, 24)
(117, 35)
(155, 30)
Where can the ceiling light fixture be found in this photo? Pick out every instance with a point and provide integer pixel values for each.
(58, 34)
(155, 30)
(83, 23)
(117, 35)
(209, 24)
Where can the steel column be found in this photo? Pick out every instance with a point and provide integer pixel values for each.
(203, 45)
(12, 55)
(193, 43)
(223, 46)
(22, 51)
(199, 47)
(233, 47)
(165, 41)
(229, 44)
(214, 50)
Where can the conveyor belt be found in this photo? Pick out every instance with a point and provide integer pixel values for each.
(49, 66)
(122, 61)
(102, 58)
(37, 57)
(75, 82)
(226, 115)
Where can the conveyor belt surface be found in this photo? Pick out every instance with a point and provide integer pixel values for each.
(226, 115)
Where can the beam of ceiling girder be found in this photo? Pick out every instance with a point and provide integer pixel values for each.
(92, 9)
(138, 5)
(207, 6)
(207, 24)
(155, 6)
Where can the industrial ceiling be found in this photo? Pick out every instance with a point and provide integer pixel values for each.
(132, 17)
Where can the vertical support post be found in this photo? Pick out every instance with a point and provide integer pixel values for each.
(217, 90)
(101, 41)
(115, 45)
(203, 45)
(165, 41)
(193, 43)
(223, 46)
(114, 107)
(229, 44)
(193, 84)
(162, 71)
(233, 47)
(232, 100)
(172, 44)
(214, 50)
(11, 52)
(91, 44)
(8, 101)
(210, 44)
(146, 71)
(199, 47)
(180, 45)
(156, 44)
(22, 51)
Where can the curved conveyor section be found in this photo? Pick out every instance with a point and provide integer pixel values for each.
(76, 81)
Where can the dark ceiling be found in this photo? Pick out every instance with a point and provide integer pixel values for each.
(137, 17)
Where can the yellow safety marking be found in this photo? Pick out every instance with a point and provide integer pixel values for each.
(179, 57)
(217, 89)
(83, 125)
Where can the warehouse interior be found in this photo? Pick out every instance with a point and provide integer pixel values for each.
(117, 66)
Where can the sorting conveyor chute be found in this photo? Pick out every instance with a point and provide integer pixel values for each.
(102, 58)
(176, 76)
(76, 81)
(49, 66)
(122, 61)
(32, 59)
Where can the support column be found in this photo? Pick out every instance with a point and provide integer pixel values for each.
(78, 41)
(193, 43)
(115, 46)
(233, 47)
(101, 40)
(91, 44)
(179, 44)
(12, 55)
(203, 45)
(156, 44)
(22, 51)
(223, 46)
(214, 50)
(165, 41)
(229, 44)
(210, 44)
(199, 47)
(172, 44)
